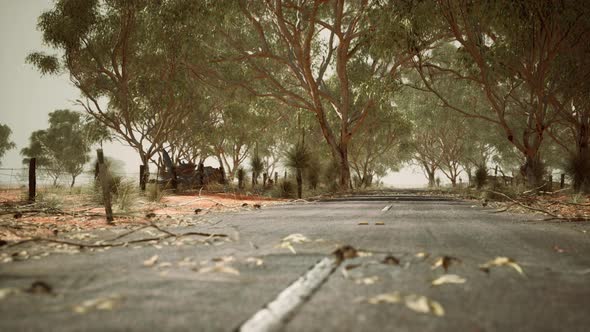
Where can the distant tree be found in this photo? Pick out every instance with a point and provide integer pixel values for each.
(5, 142)
(63, 147)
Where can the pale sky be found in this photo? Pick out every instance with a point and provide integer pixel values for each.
(26, 97)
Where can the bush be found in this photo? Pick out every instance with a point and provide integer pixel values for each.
(480, 176)
(154, 193)
(286, 189)
(125, 194)
(578, 168)
(241, 175)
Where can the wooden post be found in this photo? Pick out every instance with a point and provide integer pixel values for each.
(105, 183)
(201, 174)
(142, 177)
(264, 179)
(285, 178)
(562, 181)
(32, 180)
(276, 178)
(550, 184)
(222, 170)
(253, 179)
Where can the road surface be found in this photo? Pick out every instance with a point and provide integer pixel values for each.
(223, 284)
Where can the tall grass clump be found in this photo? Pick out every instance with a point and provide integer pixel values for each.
(298, 158)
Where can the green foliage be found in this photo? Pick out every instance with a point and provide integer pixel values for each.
(63, 147)
(298, 157)
(5, 142)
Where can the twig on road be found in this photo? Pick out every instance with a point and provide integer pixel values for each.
(167, 235)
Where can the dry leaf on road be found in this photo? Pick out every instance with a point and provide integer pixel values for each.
(150, 261)
(254, 260)
(107, 303)
(445, 262)
(501, 261)
(367, 280)
(424, 305)
(448, 279)
(219, 268)
(385, 298)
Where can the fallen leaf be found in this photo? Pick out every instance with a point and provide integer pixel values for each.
(223, 259)
(445, 262)
(5, 292)
(164, 264)
(351, 266)
(345, 252)
(254, 260)
(390, 260)
(39, 287)
(360, 253)
(367, 280)
(385, 298)
(295, 238)
(287, 245)
(107, 303)
(219, 268)
(501, 261)
(448, 279)
(422, 255)
(387, 208)
(151, 261)
(424, 305)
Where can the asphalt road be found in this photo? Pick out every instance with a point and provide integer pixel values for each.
(217, 284)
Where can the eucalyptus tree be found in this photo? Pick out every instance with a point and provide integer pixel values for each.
(382, 145)
(510, 50)
(5, 142)
(64, 147)
(289, 51)
(125, 64)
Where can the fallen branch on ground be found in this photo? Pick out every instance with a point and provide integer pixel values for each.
(167, 235)
(553, 215)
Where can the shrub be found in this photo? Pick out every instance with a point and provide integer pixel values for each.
(480, 176)
(286, 189)
(154, 193)
(578, 168)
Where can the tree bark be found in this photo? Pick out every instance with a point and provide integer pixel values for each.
(299, 183)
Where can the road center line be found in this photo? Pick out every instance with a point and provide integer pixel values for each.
(276, 313)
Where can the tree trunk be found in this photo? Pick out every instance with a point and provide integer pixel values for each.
(344, 166)
(431, 179)
(531, 171)
(299, 183)
(73, 181)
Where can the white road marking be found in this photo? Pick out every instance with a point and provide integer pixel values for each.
(277, 312)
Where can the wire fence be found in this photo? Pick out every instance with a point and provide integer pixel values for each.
(18, 178)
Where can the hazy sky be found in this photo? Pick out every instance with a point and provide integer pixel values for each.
(26, 97)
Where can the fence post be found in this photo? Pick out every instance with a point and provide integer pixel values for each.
(106, 185)
(550, 184)
(276, 178)
(264, 179)
(32, 179)
(562, 182)
(142, 177)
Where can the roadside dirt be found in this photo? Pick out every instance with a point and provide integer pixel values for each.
(63, 212)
